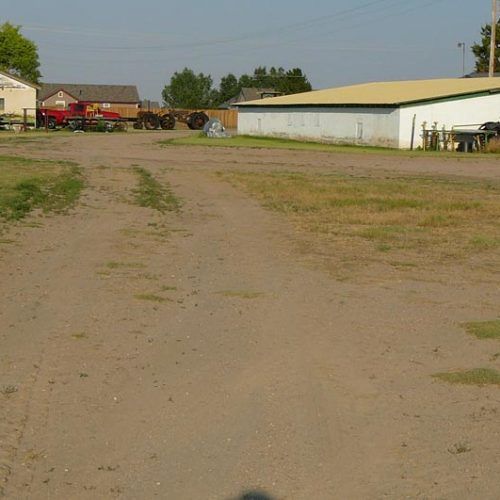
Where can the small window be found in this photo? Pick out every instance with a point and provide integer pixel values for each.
(60, 94)
(61, 103)
(106, 105)
(2, 104)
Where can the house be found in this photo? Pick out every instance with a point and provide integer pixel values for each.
(53, 95)
(377, 114)
(16, 95)
(250, 94)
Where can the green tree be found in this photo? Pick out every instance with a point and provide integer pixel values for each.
(481, 50)
(188, 90)
(292, 81)
(228, 88)
(18, 55)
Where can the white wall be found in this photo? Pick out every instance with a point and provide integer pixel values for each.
(17, 96)
(475, 110)
(372, 126)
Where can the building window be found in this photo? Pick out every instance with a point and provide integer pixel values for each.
(106, 105)
(61, 103)
(2, 104)
(60, 94)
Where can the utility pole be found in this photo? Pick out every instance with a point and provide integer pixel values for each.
(461, 45)
(493, 37)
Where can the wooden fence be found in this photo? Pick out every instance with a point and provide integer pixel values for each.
(228, 117)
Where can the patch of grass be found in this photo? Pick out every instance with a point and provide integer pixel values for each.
(8, 389)
(124, 265)
(80, 336)
(259, 142)
(166, 288)
(476, 376)
(428, 218)
(482, 242)
(151, 297)
(26, 185)
(241, 294)
(151, 193)
(484, 329)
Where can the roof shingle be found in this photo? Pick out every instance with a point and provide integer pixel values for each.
(97, 93)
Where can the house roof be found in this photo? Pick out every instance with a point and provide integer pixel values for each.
(98, 93)
(385, 93)
(249, 94)
(19, 79)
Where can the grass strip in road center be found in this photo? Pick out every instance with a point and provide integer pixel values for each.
(150, 193)
(27, 184)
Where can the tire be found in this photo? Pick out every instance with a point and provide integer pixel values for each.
(51, 123)
(167, 122)
(151, 122)
(196, 121)
(138, 125)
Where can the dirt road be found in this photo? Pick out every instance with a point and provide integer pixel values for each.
(195, 355)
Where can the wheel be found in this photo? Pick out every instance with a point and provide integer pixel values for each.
(51, 123)
(121, 126)
(196, 121)
(167, 121)
(138, 125)
(151, 122)
(75, 124)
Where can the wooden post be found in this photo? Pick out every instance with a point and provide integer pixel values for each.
(493, 38)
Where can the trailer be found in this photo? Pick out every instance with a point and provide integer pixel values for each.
(166, 119)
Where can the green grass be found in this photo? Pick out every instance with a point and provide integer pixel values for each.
(151, 193)
(476, 376)
(124, 265)
(26, 185)
(484, 329)
(151, 297)
(253, 142)
(427, 217)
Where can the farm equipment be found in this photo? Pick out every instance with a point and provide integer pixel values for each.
(462, 138)
(80, 116)
(167, 119)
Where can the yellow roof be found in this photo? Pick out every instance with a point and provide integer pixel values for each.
(384, 93)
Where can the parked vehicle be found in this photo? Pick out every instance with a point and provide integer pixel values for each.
(77, 114)
(166, 120)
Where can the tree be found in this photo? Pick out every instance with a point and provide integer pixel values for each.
(292, 81)
(482, 50)
(18, 55)
(228, 88)
(188, 90)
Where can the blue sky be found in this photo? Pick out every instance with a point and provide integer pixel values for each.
(336, 42)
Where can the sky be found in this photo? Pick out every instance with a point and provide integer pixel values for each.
(336, 42)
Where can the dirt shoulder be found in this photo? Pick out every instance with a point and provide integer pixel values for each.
(199, 354)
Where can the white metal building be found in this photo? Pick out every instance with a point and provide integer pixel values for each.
(16, 95)
(376, 114)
